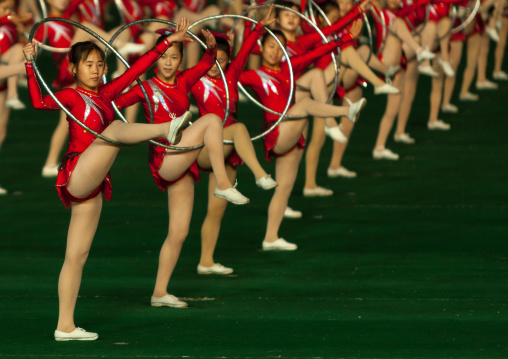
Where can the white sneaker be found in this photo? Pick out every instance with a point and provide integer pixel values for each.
(341, 172)
(449, 108)
(500, 75)
(177, 126)
(392, 71)
(279, 245)
(242, 97)
(468, 96)
(291, 213)
(2, 191)
(76, 334)
(404, 138)
(423, 55)
(131, 48)
(317, 192)
(427, 70)
(15, 104)
(232, 195)
(355, 109)
(50, 171)
(168, 301)
(446, 66)
(386, 89)
(486, 85)
(217, 268)
(438, 125)
(384, 154)
(335, 134)
(494, 36)
(266, 182)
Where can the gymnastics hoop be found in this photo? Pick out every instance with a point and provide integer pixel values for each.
(291, 75)
(255, 101)
(415, 31)
(143, 90)
(470, 18)
(41, 44)
(369, 31)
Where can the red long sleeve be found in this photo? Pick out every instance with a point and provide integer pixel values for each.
(236, 67)
(192, 75)
(409, 9)
(246, 33)
(72, 8)
(5, 20)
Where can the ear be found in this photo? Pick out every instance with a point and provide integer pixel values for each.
(74, 70)
(106, 69)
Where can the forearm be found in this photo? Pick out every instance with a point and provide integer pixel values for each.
(38, 101)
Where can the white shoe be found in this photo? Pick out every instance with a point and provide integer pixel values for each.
(386, 89)
(232, 195)
(500, 75)
(279, 245)
(194, 109)
(266, 182)
(438, 125)
(494, 36)
(486, 85)
(291, 213)
(168, 301)
(427, 70)
(2, 191)
(50, 171)
(317, 192)
(131, 48)
(404, 138)
(384, 154)
(341, 172)
(446, 66)
(76, 334)
(335, 134)
(423, 55)
(217, 268)
(15, 104)
(392, 71)
(177, 126)
(242, 97)
(355, 109)
(449, 108)
(468, 96)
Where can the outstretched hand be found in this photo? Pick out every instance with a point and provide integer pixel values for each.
(356, 28)
(367, 4)
(210, 39)
(29, 50)
(181, 34)
(266, 20)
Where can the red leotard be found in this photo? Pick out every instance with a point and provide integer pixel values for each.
(133, 11)
(8, 34)
(195, 5)
(160, 8)
(94, 110)
(168, 101)
(210, 93)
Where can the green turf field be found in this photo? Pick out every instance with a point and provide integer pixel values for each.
(409, 260)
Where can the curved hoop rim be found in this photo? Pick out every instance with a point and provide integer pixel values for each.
(415, 31)
(469, 19)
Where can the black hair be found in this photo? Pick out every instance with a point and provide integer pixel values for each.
(81, 50)
(223, 45)
(285, 3)
(328, 6)
(177, 44)
(277, 33)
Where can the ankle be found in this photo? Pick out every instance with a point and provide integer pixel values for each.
(206, 263)
(158, 294)
(66, 328)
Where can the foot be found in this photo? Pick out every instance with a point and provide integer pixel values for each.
(50, 171)
(404, 138)
(317, 192)
(422, 55)
(15, 104)
(468, 96)
(217, 268)
(131, 48)
(168, 301)
(449, 108)
(447, 67)
(279, 245)
(494, 36)
(76, 334)
(392, 71)
(335, 134)
(384, 154)
(438, 125)
(355, 109)
(177, 126)
(386, 89)
(341, 172)
(2, 191)
(500, 75)
(291, 213)
(232, 195)
(266, 182)
(486, 85)
(427, 70)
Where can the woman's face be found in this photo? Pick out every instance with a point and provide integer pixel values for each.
(59, 5)
(392, 4)
(7, 8)
(222, 59)
(89, 71)
(288, 20)
(271, 51)
(344, 6)
(169, 63)
(332, 15)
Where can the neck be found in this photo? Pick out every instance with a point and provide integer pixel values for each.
(290, 35)
(168, 80)
(55, 12)
(83, 86)
(272, 67)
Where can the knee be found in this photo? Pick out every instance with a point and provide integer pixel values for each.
(77, 258)
(213, 119)
(177, 235)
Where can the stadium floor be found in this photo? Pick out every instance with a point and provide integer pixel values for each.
(409, 260)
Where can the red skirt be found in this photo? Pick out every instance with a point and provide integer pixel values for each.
(68, 164)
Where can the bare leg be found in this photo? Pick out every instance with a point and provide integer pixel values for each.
(13, 56)
(10, 70)
(392, 109)
(314, 147)
(449, 82)
(473, 48)
(481, 75)
(442, 28)
(501, 45)
(401, 30)
(410, 83)
(435, 93)
(58, 140)
(4, 117)
(374, 62)
(350, 57)
(428, 38)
